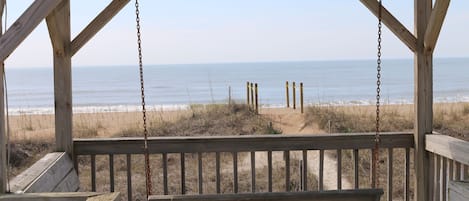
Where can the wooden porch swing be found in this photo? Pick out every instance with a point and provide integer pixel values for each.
(428, 22)
(373, 194)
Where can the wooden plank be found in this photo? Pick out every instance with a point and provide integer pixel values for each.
(129, 177)
(286, 155)
(201, 178)
(321, 170)
(217, 171)
(458, 191)
(437, 182)
(435, 23)
(407, 175)
(356, 169)
(75, 196)
(97, 24)
(393, 24)
(111, 173)
(339, 169)
(449, 147)
(24, 25)
(423, 99)
(235, 172)
(431, 178)
(183, 173)
(443, 179)
(93, 172)
(349, 195)
(45, 174)
(390, 175)
(165, 173)
(253, 171)
(69, 184)
(240, 143)
(305, 170)
(3, 136)
(269, 164)
(58, 23)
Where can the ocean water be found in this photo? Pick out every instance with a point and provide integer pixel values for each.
(116, 88)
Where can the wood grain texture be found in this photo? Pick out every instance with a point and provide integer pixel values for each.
(458, 191)
(3, 137)
(393, 24)
(435, 23)
(240, 143)
(52, 173)
(448, 147)
(97, 24)
(342, 195)
(58, 24)
(423, 99)
(82, 196)
(24, 25)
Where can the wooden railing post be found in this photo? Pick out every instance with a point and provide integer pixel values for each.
(423, 99)
(3, 141)
(58, 23)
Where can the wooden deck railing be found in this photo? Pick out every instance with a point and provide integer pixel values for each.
(449, 161)
(240, 164)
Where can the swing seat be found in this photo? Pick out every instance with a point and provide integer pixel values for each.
(332, 195)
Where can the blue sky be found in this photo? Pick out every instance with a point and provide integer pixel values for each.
(212, 31)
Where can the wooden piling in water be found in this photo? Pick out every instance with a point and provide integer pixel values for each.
(301, 97)
(287, 94)
(294, 95)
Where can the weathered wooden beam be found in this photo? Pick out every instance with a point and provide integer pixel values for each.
(423, 99)
(393, 24)
(79, 196)
(435, 23)
(3, 141)
(52, 173)
(58, 23)
(330, 195)
(25, 24)
(240, 143)
(448, 147)
(97, 24)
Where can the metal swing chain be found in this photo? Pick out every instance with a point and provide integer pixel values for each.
(144, 111)
(375, 164)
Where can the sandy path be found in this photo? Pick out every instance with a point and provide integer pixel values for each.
(291, 122)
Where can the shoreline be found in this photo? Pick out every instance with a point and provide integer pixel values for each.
(180, 107)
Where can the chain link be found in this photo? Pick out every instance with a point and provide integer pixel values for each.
(144, 111)
(375, 164)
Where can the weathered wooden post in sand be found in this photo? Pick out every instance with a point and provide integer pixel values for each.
(252, 94)
(301, 97)
(287, 94)
(257, 99)
(294, 95)
(247, 93)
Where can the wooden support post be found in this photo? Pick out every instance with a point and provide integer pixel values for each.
(252, 93)
(294, 95)
(257, 99)
(423, 99)
(247, 93)
(3, 137)
(435, 23)
(301, 97)
(25, 24)
(58, 23)
(287, 94)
